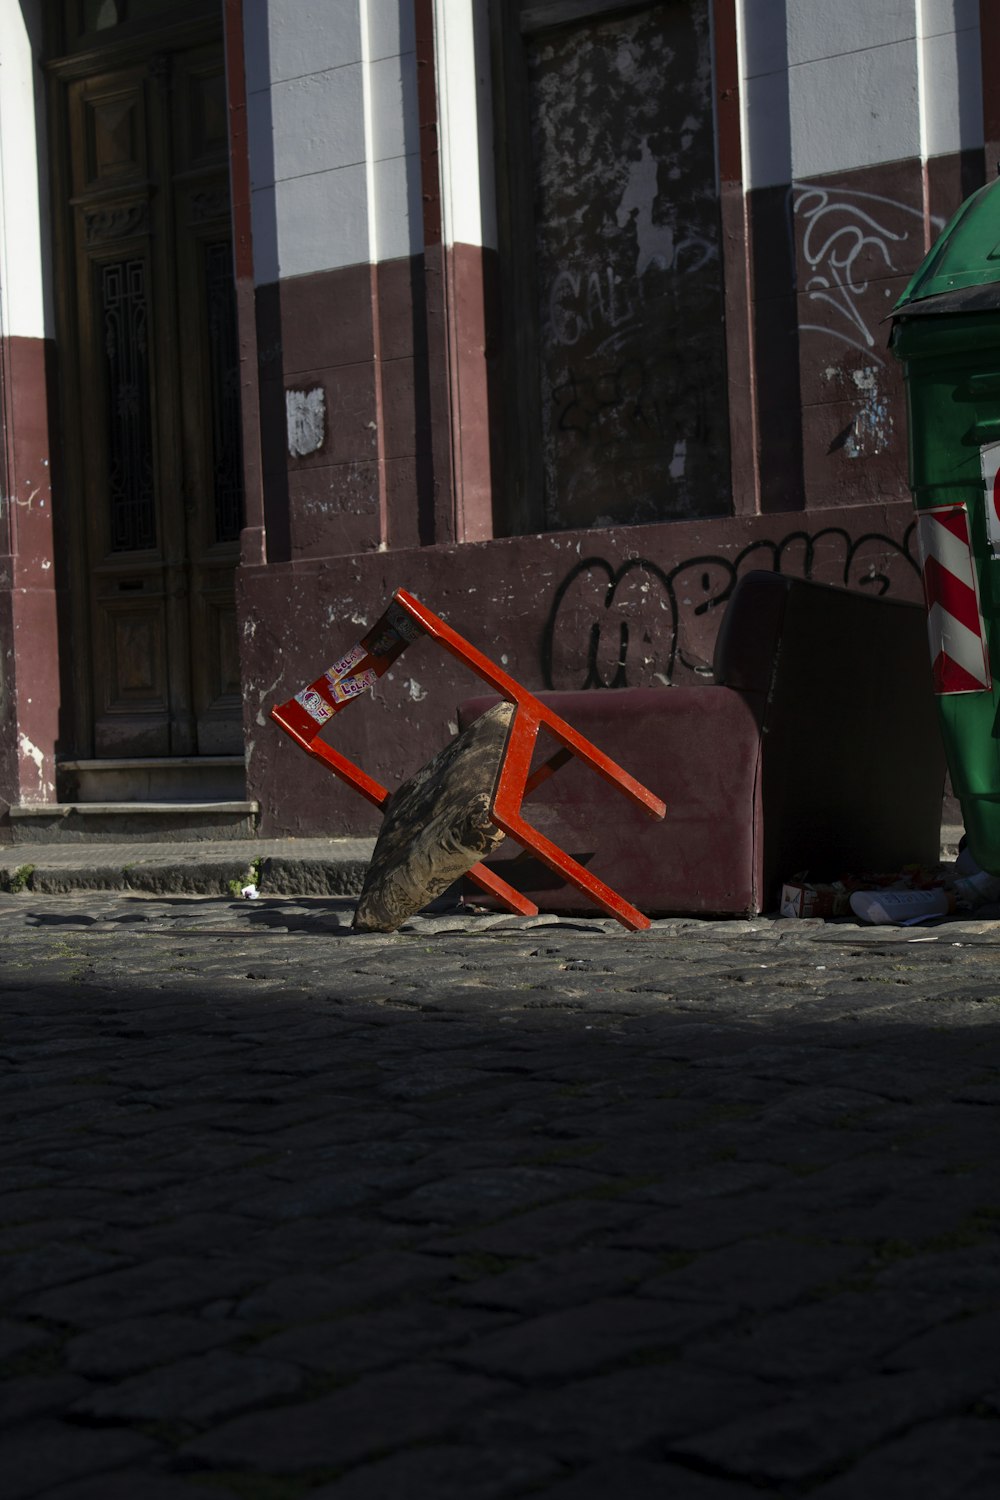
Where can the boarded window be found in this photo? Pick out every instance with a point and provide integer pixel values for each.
(626, 361)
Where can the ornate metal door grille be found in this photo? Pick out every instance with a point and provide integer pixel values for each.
(225, 391)
(130, 439)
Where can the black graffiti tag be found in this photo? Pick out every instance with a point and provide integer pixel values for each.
(637, 623)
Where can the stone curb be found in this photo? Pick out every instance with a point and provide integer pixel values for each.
(280, 867)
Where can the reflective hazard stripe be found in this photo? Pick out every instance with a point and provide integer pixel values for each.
(959, 656)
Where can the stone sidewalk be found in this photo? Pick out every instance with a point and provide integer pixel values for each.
(494, 1207)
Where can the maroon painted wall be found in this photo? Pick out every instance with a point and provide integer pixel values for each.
(360, 336)
(31, 695)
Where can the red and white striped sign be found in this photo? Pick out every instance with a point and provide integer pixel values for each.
(959, 656)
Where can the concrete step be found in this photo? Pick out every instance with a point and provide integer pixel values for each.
(279, 867)
(146, 822)
(168, 778)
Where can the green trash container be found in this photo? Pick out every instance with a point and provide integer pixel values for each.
(947, 334)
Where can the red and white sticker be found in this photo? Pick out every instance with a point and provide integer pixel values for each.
(314, 704)
(989, 457)
(353, 687)
(343, 666)
(959, 658)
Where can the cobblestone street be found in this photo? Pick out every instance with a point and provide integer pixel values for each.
(494, 1207)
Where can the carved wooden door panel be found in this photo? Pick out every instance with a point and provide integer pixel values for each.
(158, 402)
(210, 395)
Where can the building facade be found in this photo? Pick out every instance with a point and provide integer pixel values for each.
(560, 315)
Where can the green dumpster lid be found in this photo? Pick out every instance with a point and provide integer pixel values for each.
(967, 254)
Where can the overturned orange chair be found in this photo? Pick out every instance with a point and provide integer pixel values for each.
(405, 621)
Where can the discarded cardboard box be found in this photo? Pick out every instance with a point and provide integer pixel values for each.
(815, 899)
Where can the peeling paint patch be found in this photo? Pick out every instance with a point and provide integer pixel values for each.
(655, 241)
(306, 417)
(31, 752)
(871, 431)
(265, 693)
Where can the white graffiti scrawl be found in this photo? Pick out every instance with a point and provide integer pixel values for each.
(847, 238)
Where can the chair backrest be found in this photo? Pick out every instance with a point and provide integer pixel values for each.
(852, 752)
(747, 642)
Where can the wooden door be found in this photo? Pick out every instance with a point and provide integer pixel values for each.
(158, 401)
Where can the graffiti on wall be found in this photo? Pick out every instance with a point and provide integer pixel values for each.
(636, 624)
(854, 252)
(851, 240)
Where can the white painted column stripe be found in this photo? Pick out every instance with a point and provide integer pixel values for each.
(465, 117)
(24, 249)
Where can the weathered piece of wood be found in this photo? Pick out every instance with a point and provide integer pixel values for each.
(437, 826)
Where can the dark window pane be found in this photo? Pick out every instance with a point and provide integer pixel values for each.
(627, 264)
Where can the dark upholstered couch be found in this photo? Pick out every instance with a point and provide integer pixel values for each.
(817, 748)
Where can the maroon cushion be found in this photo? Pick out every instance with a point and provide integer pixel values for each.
(697, 748)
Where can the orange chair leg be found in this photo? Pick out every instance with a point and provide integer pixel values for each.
(506, 813)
